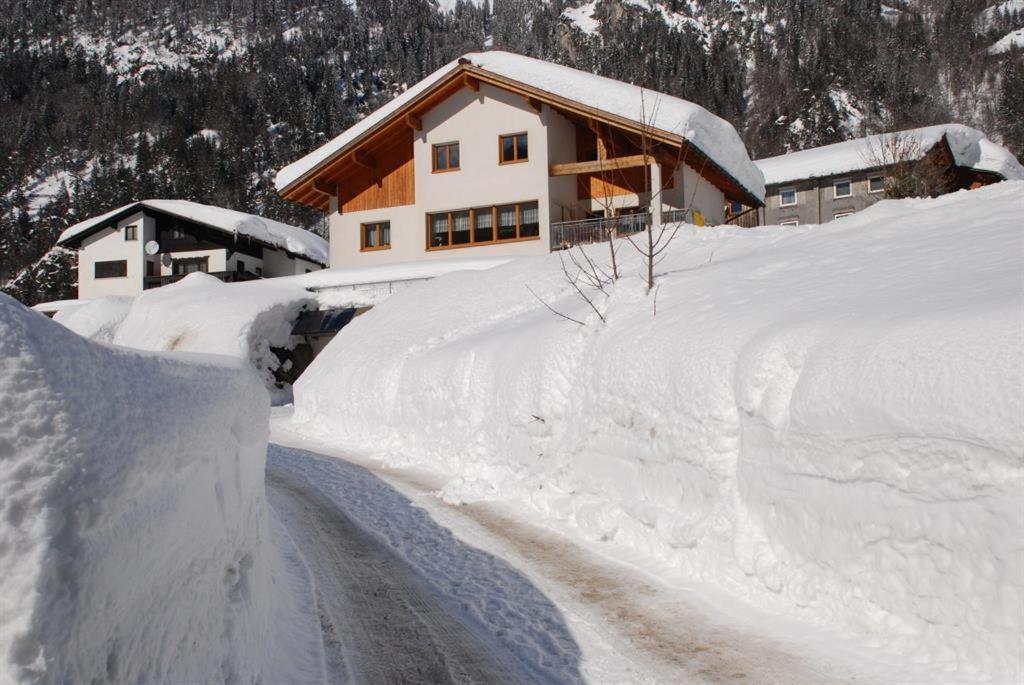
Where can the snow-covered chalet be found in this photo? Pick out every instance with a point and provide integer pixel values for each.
(151, 243)
(501, 154)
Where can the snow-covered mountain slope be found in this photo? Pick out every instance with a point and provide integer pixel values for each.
(132, 513)
(825, 421)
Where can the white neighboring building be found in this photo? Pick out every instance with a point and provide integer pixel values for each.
(496, 154)
(184, 237)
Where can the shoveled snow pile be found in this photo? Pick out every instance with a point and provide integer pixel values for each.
(825, 420)
(712, 135)
(132, 512)
(970, 148)
(96, 319)
(203, 314)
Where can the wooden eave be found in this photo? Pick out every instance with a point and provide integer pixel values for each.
(304, 189)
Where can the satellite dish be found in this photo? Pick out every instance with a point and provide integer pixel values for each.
(152, 247)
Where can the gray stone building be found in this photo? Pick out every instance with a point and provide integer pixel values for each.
(823, 184)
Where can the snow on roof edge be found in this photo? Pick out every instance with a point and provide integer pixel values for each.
(970, 148)
(712, 135)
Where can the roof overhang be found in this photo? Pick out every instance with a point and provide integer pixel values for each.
(306, 190)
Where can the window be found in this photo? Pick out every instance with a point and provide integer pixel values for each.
(787, 197)
(446, 157)
(843, 188)
(876, 184)
(117, 268)
(841, 215)
(735, 207)
(513, 148)
(190, 265)
(482, 225)
(131, 232)
(790, 222)
(376, 236)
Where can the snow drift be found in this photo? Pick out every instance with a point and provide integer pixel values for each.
(826, 420)
(132, 512)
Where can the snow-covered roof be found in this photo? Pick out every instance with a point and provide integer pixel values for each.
(712, 135)
(970, 147)
(293, 239)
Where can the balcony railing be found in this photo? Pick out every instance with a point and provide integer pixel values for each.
(566, 234)
(226, 276)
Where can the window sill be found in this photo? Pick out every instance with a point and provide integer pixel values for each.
(375, 249)
(514, 161)
(445, 171)
(489, 243)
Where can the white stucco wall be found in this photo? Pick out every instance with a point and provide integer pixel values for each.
(109, 245)
(475, 120)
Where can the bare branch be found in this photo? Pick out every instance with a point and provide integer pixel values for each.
(552, 309)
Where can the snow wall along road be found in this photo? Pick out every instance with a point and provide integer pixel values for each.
(825, 420)
(132, 512)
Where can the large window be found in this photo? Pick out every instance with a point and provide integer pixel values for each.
(787, 197)
(117, 268)
(842, 188)
(375, 236)
(483, 225)
(446, 157)
(513, 148)
(190, 265)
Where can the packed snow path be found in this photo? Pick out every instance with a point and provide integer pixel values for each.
(401, 599)
(382, 621)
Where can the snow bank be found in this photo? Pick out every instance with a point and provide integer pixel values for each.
(202, 314)
(825, 420)
(132, 512)
(712, 135)
(970, 148)
(95, 319)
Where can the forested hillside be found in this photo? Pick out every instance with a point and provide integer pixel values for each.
(204, 101)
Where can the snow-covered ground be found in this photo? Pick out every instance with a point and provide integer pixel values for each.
(132, 513)
(243, 320)
(825, 421)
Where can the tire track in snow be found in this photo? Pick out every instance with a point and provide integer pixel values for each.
(380, 624)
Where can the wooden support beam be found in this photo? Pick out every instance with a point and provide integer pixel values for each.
(535, 104)
(600, 165)
(364, 160)
(471, 82)
(413, 122)
(325, 187)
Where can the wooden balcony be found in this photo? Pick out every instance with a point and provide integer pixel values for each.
(226, 276)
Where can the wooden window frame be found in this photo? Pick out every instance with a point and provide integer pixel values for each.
(362, 236)
(433, 157)
(96, 268)
(473, 242)
(133, 231)
(515, 148)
